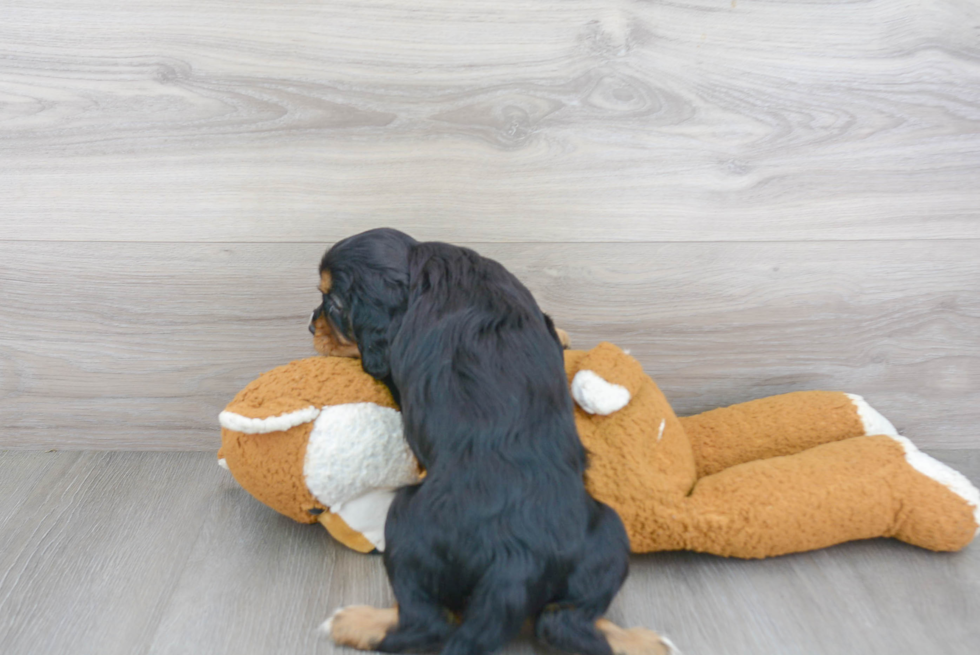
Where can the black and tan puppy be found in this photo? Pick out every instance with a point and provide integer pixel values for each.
(501, 529)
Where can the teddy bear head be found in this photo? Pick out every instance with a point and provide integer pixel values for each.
(318, 439)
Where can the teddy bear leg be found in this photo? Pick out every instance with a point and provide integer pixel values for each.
(779, 425)
(856, 488)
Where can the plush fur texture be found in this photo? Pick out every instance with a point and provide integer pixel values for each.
(776, 475)
(501, 529)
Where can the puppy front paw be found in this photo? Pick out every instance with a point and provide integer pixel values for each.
(360, 626)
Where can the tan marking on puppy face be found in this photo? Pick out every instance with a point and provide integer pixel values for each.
(566, 341)
(326, 282)
(635, 641)
(361, 626)
(327, 342)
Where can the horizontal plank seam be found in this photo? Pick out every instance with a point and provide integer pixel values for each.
(527, 243)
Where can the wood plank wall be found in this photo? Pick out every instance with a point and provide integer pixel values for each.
(753, 196)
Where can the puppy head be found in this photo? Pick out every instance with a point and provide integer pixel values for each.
(327, 339)
(364, 282)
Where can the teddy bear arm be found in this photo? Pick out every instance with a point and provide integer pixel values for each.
(856, 488)
(778, 425)
(346, 535)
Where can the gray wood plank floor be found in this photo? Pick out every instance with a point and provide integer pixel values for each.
(123, 553)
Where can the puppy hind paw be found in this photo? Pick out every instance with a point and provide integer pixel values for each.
(636, 641)
(640, 641)
(327, 626)
(360, 626)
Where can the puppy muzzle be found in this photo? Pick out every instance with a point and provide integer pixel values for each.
(317, 313)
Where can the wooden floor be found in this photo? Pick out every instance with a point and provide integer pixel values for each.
(116, 553)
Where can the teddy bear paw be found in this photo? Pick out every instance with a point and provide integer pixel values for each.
(945, 475)
(360, 626)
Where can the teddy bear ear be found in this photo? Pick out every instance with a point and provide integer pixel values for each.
(598, 396)
(605, 378)
(232, 420)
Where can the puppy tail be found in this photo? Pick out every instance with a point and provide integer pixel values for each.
(570, 631)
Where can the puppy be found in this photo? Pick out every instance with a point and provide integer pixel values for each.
(501, 529)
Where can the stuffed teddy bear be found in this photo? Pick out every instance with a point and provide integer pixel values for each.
(319, 440)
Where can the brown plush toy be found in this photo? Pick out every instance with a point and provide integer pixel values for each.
(319, 440)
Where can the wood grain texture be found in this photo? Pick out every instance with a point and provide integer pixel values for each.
(158, 553)
(96, 548)
(583, 120)
(141, 345)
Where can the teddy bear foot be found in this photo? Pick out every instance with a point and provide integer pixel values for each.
(635, 641)
(360, 626)
(871, 419)
(934, 525)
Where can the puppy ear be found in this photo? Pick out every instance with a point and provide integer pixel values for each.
(375, 351)
(370, 270)
(375, 318)
(557, 334)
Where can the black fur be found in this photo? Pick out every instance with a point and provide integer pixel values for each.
(501, 529)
